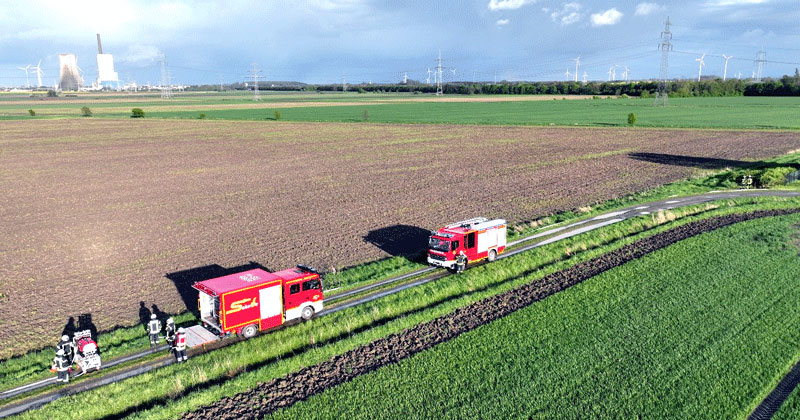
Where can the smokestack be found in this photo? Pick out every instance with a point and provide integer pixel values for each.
(99, 45)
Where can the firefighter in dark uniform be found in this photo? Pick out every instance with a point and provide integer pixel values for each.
(61, 365)
(461, 262)
(66, 345)
(180, 345)
(170, 332)
(154, 328)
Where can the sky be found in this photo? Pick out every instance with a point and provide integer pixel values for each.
(326, 41)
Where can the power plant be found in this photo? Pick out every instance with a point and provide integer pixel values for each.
(69, 73)
(105, 66)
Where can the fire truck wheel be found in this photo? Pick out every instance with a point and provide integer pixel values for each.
(492, 255)
(307, 313)
(249, 331)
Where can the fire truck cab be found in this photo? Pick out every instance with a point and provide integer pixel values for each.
(477, 239)
(256, 300)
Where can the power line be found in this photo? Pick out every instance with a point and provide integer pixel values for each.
(665, 46)
(255, 72)
(166, 83)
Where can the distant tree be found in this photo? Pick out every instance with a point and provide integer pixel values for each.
(32, 113)
(202, 116)
(365, 115)
(631, 118)
(277, 114)
(52, 93)
(137, 113)
(86, 112)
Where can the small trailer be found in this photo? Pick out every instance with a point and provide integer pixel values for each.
(474, 239)
(256, 300)
(87, 355)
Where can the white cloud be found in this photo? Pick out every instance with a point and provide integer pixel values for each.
(609, 17)
(508, 4)
(569, 14)
(644, 9)
(502, 22)
(726, 3)
(140, 55)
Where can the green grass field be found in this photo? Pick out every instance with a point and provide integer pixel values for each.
(725, 113)
(729, 113)
(702, 329)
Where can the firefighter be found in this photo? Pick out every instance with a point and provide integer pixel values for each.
(169, 332)
(61, 365)
(66, 345)
(180, 345)
(154, 328)
(461, 262)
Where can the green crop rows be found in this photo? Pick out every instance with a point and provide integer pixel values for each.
(732, 112)
(170, 391)
(725, 112)
(702, 329)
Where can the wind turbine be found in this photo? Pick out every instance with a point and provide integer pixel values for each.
(39, 74)
(584, 76)
(725, 72)
(626, 73)
(577, 62)
(27, 80)
(567, 74)
(428, 80)
(700, 67)
(612, 73)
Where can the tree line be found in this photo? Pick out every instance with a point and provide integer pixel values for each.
(784, 86)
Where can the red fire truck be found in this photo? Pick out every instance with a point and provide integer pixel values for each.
(255, 300)
(475, 239)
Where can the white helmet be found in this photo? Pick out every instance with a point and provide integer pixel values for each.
(64, 338)
(60, 352)
(170, 321)
(153, 316)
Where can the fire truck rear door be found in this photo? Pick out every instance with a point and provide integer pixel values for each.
(271, 304)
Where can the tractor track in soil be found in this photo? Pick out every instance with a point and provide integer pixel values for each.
(297, 386)
(772, 402)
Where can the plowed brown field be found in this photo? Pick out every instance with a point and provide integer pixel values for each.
(95, 213)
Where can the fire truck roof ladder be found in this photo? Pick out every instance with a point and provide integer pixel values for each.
(467, 223)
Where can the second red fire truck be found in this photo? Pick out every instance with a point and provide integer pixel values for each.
(256, 300)
(469, 240)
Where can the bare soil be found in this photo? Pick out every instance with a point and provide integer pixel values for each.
(96, 213)
(297, 386)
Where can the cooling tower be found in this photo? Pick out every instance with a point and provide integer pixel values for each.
(69, 75)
